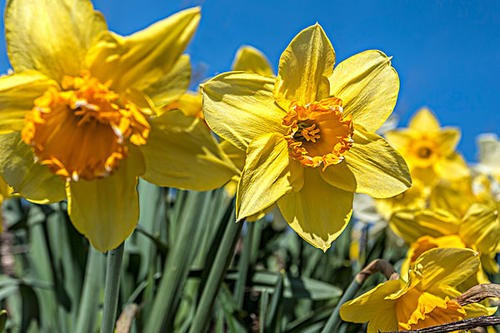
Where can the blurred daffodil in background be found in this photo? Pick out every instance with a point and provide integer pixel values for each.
(82, 114)
(429, 149)
(309, 134)
(489, 155)
(455, 218)
(425, 298)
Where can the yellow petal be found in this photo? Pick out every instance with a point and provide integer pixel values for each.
(189, 103)
(477, 309)
(265, 177)
(240, 107)
(374, 308)
(426, 243)
(443, 268)
(371, 166)
(455, 197)
(17, 93)
(448, 139)
(31, 180)
(182, 153)
(411, 225)
(481, 228)
(145, 57)
(237, 156)
(368, 86)
(106, 210)
(51, 36)
(452, 167)
(400, 139)
(304, 68)
(424, 121)
(318, 212)
(5, 190)
(249, 59)
(172, 85)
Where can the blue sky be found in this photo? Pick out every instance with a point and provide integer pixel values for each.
(447, 53)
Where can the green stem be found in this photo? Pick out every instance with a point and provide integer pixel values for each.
(89, 303)
(111, 288)
(334, 320)
(222, 259)
(239, 289)
(377, 265)
(176, 268)
(276, 299)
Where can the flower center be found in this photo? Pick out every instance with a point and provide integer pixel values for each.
(318, 133)
(424, 153)
(418, 309)
(82, 130)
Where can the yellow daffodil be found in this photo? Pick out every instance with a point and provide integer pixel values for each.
(81, 114)
(429, 149)
(426, 298)
(309, 134)
(478, 229)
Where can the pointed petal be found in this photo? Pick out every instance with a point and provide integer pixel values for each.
(318, 212)
(481, 228)
(31, 180)
(371, 166)
(374, 308)
(145, 57)
(239, 107)
(452, 167)
(51, 37)
(182, 153)
(172, 85)
(368, 86)
(448, 139)
(304, 68)
(424, 121)
(477, 310)
(400, 139)
(17, 93)
(443, 268)
(106, 210)
(249, 59)
(265, 177)
(237, 156)
(411, 225)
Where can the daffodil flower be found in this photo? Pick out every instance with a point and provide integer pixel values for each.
(426, 298)
(429, 149)
(309, 134)
(478, 229)
(81, 114)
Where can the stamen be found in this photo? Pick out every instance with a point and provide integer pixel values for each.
(318, 132)
(83, 131)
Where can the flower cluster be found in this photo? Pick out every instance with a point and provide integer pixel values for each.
(86, 113)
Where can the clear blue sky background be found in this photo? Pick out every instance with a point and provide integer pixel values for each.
(447, 53)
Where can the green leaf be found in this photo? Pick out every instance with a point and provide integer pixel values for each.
(293, 287)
